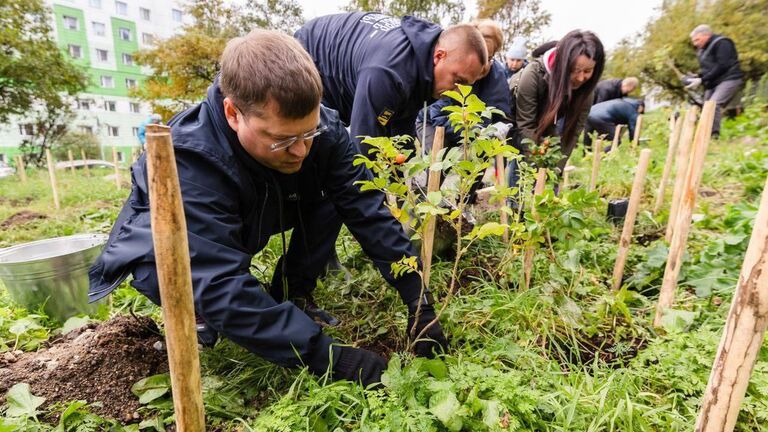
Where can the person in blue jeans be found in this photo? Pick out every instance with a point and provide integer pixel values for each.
(604, 116)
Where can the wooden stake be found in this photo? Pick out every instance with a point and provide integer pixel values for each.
(567, 176)
(638, 127)
(433, 185)
(683, 154)
(71, 161)
(629, 220)
(21, 169)
(742, 336)
(538, 189)
(674, 138)
(117, 167)
(85, 163)
(616, 137)
(596, 155)
(683, 220)
(169, 236)
(52, 177)
(501, 181)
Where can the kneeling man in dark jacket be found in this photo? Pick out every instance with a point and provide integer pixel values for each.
(258, 157)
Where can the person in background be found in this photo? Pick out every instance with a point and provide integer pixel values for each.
(615, 88)
(604, 117)
(379, 71)
(490, 88)
(554, 93)
(142, 134)
(516, 57)
(720, 72)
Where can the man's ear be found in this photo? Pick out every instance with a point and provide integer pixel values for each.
(230, 112)
(439, 54)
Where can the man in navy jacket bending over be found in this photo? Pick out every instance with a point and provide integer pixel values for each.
(260, 156)
(378, 71)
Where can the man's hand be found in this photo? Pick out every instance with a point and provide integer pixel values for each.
(693, 83)
(359, 365)
(433, 340)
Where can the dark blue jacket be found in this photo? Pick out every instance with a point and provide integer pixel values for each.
(233, 205)
(616, 111)
(377, 70)
(719, 61)
(491, 89)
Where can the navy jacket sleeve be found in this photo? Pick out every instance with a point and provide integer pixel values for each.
(370, 221)
(725, 56)
(227, 296)
(378, 98)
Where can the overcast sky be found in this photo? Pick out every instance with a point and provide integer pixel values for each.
(612, 20)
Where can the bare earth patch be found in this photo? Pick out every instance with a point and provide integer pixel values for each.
(20, 218)
(97, 363)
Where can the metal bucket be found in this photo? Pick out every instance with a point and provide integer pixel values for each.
(53, 273)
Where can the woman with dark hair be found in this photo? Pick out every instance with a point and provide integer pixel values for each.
(555, 92)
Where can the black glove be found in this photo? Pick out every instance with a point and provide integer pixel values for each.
(433, 340)
(357, 364)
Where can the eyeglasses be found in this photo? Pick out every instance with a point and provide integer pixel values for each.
(284, 144)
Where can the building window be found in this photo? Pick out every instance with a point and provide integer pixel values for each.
(102, 55)
(110, 105)
(107, 82)
(99, 29)
(70, 22)
(95, 3)
(2, 157)
(134, 107)
(127, 59)
(135, 131)
(75, 51)
(130, 83)
(119, 156)
(147, 39)
(176, 15)
(121, 8)
(84, 104)
(113, 131)
(86, 129)
(144, 13)
(125, 34)
(26, 129)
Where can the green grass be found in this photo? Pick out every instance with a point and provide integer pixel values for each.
(520, 360)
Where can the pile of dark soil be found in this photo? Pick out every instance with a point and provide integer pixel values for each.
(97, 363)
(21, 217)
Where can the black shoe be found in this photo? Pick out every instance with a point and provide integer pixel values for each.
(320, 316)
(206, 336)
(335, 266)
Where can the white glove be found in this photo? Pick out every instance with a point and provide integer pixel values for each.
(501, 130)
(695, 82)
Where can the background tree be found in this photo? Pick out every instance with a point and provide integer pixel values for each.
(438, 11)
(517, 17)
(76, 141)
(33, 71)
(665, 40)
(185, 65)
(48, 126)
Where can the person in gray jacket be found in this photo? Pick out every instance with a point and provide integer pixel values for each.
(720, 72)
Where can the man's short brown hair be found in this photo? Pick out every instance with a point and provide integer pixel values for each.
(268, 65)
(466, 38)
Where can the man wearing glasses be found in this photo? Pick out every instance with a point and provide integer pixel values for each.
(258, 157)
